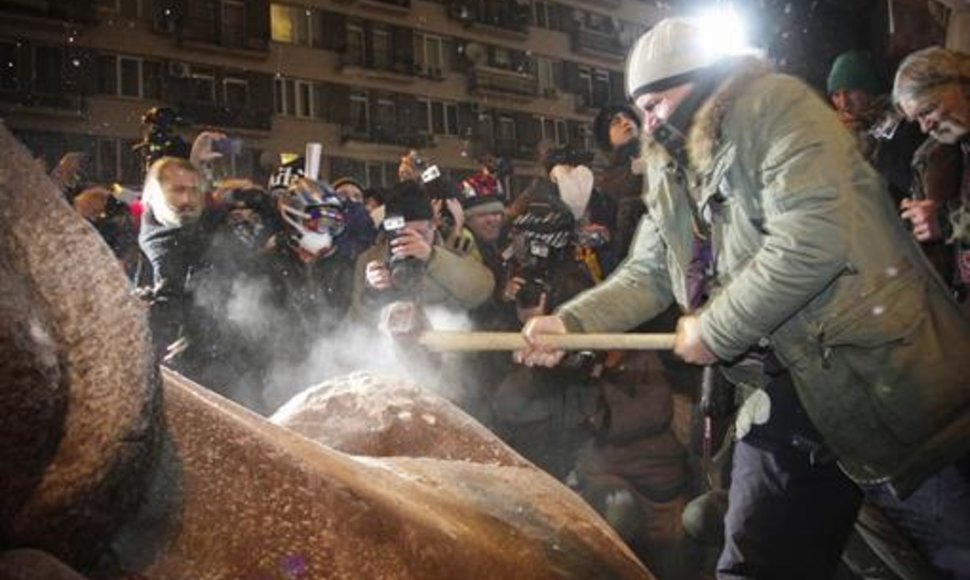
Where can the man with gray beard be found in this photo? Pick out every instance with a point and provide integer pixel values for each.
(931, 88)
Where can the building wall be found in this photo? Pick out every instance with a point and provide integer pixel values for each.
(216, 61)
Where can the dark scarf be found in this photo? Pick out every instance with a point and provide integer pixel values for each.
(672, 133)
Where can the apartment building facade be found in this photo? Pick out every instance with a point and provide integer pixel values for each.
(367, 78)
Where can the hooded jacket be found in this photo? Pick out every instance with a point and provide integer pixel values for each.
(811, 261)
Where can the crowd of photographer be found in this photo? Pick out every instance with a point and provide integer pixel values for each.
(240, 278)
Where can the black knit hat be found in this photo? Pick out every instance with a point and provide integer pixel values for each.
(601, 125)
(408, 200)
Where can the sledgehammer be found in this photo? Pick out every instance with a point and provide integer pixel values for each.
(405, 322)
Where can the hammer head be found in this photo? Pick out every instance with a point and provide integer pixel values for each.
(404, 320)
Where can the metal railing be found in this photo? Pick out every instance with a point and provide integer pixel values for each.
(503, 81)
(586, 40)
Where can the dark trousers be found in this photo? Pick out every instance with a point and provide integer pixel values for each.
(787, 519)
(935, 518)
(790, 513)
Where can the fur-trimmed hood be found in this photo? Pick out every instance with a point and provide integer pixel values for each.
(705, 131)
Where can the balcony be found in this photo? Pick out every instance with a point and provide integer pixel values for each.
(515, 149)
(500, 82)
(431, 73)
(207, 34)
(503, 17)
(79, 11)
(395, 7)
(62, 104)
(399, 71)
(221, 116)
(597, 44)
(589, 104)
(377, 134)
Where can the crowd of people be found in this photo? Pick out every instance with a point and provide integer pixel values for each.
(782, 238)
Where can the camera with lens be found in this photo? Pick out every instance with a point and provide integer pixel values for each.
(406, 271)
(535, 272)
(591, 239)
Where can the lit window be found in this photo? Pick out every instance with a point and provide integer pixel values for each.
(290, 24)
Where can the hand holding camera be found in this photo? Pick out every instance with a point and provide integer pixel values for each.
(512, 287)
(377, 276)
(408, 243)
(410, 251)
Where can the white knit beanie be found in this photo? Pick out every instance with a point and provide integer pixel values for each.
(672, 48)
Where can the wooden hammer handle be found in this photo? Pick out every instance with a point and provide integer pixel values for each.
(452, 341)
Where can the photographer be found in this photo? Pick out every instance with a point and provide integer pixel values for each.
(483, 214)
(443, 193)
(410, 261)
(595, 214)
(542, 271)
(542, 412)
